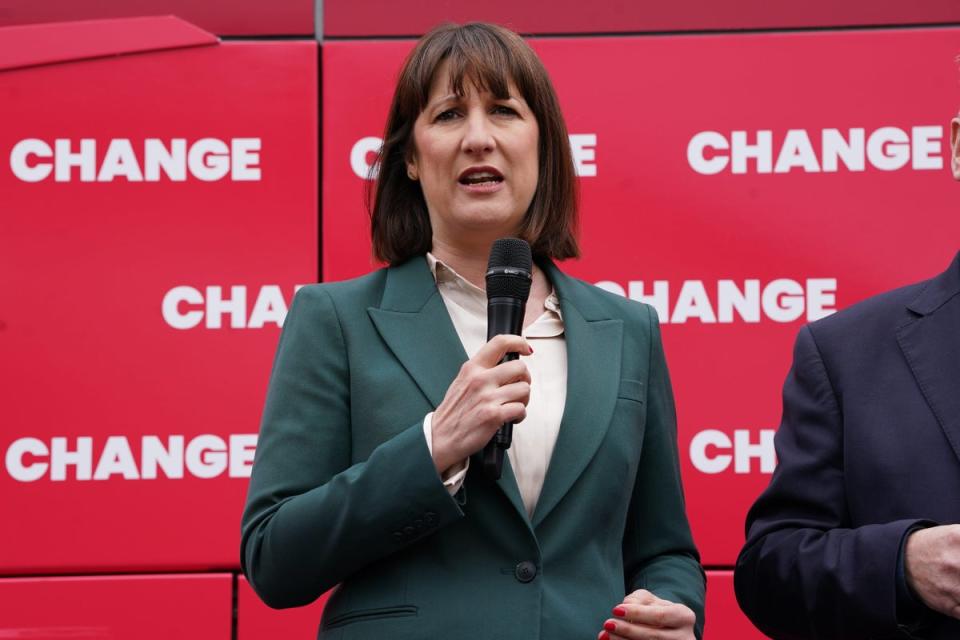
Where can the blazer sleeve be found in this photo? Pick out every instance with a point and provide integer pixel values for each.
(804, 571)
(658, 549)
(313, 516)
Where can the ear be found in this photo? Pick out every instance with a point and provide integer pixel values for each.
(955, 147)
(413, 171)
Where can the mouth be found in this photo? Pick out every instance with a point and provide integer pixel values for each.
(480, 177)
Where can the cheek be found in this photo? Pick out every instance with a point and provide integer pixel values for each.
(433, 154)
(432, 168)
(532, 151)
(532, 164)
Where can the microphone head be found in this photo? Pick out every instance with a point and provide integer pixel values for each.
(509, 270)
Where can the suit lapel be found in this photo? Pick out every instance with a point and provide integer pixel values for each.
(413, 322)
(931, 345)
(594, 344)
(508, 484)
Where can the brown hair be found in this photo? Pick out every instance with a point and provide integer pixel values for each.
(489, 57)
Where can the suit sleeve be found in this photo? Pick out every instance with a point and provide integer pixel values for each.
(313, 517)
(658, 549)
(804, 572)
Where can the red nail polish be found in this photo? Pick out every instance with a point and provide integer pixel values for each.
(619, 612)
(604, 635)
(610, 626)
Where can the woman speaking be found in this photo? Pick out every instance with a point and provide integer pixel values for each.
(385, 387)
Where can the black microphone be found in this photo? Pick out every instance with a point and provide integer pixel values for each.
(509, 276)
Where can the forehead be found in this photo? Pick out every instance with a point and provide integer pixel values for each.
(461, 78)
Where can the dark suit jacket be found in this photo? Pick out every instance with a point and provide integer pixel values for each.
(868, 448)
(344, 489)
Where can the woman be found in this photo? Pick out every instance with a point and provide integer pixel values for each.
(362, 474)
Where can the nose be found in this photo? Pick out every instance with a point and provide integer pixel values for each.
(478, 136)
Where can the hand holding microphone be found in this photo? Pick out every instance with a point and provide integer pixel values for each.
(485, 394)
(492, 389)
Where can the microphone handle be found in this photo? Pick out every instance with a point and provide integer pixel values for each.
(504, 315)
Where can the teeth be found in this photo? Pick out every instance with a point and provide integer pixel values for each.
(480, 176)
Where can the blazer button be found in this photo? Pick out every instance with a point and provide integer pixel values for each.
(525, 571)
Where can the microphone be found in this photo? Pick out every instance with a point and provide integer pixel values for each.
(509, 276)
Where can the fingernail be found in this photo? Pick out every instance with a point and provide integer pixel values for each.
(604, 635)
(531, 349)
(610, 625)
(619, 612)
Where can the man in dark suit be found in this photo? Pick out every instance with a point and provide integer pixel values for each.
(856, 536)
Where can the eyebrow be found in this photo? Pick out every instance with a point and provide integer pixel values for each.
(446, 98)
(453, 97)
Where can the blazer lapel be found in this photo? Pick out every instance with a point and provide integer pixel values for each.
(508, 484)
(594, 344)
(413, 321)
(931, 344)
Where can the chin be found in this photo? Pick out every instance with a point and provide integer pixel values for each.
(484, 223)
(480, 215)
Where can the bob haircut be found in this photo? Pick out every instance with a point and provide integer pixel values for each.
(488, 57)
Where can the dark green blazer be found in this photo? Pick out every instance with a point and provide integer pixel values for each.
(344, 490)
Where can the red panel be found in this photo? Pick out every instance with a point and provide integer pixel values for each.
(725, 621)
(383, 17)
(128, 423)
(257, 621)
(69, 41)
(655, 221)
(223, 17)
(143, 607)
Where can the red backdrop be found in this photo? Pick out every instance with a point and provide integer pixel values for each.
(115, 351)
(223, 17)
(359, 18)
(161, 203)
(736, 258)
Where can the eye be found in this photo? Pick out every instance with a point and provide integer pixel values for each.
(504, 110)
(449, 114)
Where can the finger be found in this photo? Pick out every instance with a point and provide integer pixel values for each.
(513, 392)
(513, 412)
(660, 615)
(620, 630)
(491, 353)
(508, 372)
(641, 596)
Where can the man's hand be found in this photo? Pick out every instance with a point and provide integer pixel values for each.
(644, 616)
(932, 567)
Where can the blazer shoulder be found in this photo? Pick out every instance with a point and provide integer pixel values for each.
(882, 314)
(603, 303)
(861, 339)
(355, 293)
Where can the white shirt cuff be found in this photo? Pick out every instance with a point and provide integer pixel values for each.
(454, 476)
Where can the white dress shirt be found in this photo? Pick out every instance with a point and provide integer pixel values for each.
(535, 437)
